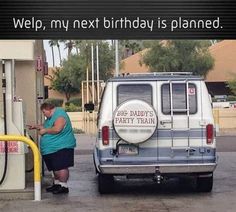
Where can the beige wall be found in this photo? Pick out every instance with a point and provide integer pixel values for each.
(224, 54)
(132, 64)
(17, 49)
(226, 118)
(87, 122)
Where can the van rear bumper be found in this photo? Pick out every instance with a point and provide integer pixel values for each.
(154, 168)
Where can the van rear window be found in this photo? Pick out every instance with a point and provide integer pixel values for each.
(179, 98)
(138, 91)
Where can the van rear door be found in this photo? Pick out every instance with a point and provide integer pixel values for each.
(129, 152)
(179, 129)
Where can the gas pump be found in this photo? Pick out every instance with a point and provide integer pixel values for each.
(12, 156)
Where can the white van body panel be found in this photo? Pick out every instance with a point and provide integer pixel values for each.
(177, 146)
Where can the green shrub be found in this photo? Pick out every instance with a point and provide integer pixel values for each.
(75, 101)
(55, 102)
(78, 131)
(71, 108)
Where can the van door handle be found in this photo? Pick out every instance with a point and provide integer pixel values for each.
(165, 122)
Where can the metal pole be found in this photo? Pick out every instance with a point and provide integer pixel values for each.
(98, 86)
(82, 106)
(117, 57)
(92, 57)
(87, 84)
(82, 95)
(93, 91)
(87, 73)
(87, 87)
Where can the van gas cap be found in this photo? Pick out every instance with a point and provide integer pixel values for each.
(135, 121)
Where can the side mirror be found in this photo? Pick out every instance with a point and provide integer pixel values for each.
(89, 107)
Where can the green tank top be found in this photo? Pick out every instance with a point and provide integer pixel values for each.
(50, 143)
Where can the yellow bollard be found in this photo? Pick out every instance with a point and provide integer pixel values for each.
(33, 146)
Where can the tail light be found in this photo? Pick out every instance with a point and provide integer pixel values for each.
(209, 133)
(105, 135)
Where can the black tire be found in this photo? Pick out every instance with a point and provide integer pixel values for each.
(105, 183)
(96, 170)
(205, 184)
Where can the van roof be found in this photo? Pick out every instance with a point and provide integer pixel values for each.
(156, 76)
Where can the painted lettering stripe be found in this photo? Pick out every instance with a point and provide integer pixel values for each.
(166, 134)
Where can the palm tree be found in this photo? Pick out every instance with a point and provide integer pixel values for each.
(77, 45)
(51, 44)
(56, 42)
(69, 44)
(130, 47)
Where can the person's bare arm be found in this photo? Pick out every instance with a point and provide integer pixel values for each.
(57, 127)
(34, 127)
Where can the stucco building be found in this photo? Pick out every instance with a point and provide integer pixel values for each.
(224, 54)
(224, 70)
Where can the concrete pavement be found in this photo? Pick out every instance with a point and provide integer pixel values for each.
(84, 146)
(131, 196)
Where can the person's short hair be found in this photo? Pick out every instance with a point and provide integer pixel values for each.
(47, 106)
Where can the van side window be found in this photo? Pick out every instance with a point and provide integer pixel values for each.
(179, 98)
(140, 92)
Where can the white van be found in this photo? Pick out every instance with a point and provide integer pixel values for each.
(157, 124)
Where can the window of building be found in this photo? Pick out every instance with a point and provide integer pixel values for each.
(45, 92)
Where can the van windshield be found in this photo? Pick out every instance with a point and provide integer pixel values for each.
(137, 91)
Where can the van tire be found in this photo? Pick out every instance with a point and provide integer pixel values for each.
(204, 184)
(105, 183)
(94, 163)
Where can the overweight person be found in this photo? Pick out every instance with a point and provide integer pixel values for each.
(57, 145)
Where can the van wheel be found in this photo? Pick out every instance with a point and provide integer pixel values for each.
(105, 183)
(96, 170)
(205, 184)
